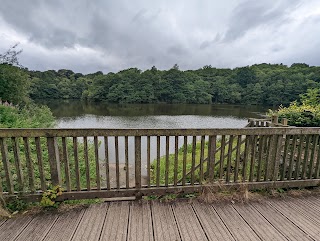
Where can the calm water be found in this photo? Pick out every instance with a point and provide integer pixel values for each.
(78, 114)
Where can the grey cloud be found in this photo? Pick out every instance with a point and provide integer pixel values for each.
(139, 16)
(111, 35)
(251, 14)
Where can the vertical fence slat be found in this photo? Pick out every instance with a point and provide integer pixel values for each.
(212, 146)
(270, 157)
(222, 150)
(158, 162)
(126, 143)
(245, 158)
(106, 156)
(193, 160)
(313, 155)
(55, 172)
(96, 155)
(237, 161)
(229, 158)
(66, 163)
(297, 167)
(116, 151)
(176, 149)
(167, 162)
(292, 155)
(202, 159)
(317, 169)
(278, 150)
(76, 163)
(6, 165)
(253, 157)
(262, 140)
(306, 157)
(40, 163)
(1, 189)
(86, 160)
(16, 153)
(285, 155)
(137, 143)
(185, 152)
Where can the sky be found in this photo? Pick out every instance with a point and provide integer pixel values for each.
(103, 35)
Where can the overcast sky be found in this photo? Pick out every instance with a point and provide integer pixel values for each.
(87, 36)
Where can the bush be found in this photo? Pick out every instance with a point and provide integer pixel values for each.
(306, 114)
(29, 116)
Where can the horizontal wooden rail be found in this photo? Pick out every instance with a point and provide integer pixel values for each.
(156, 132)
(90, 163)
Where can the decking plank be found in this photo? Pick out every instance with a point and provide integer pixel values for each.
(2, 221)
(280, 219)
(297, 218)
(164, 224)
(306, 210)
(211, 222)
(258, 223)
(280, 222)
(116, 223)
(13, 227)
(37, 228)
(314, 201)
(90, 227)
(188, 223)
(65, 226)
(235, 224)
(140, 222)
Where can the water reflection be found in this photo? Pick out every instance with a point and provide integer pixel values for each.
(76, 108)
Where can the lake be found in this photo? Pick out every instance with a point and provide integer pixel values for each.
(81, 114)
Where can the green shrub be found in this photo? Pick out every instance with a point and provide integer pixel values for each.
(29, 116)
(299, 115)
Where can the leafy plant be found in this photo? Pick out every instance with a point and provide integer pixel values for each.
(306, 114)
(16, 204)
(49, 197)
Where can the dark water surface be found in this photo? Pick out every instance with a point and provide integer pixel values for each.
(80, 114)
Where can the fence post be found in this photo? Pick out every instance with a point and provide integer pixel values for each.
(137, 144)
(275, 119)
(53, 155)
(284, 121)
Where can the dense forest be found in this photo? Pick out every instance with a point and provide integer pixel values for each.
(261, 84)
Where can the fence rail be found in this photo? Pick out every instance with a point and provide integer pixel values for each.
(89, 163)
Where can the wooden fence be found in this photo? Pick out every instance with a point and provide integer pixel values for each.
(91, 163)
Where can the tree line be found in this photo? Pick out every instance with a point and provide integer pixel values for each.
(259, 84)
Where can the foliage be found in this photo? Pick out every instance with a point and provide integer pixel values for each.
(11, 56)
(306, 114)
(49, 197)
(14, 84)
(16, 204)
(312, 97)
(263, 84)
(28, 116)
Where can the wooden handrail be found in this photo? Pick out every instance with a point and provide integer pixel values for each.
(34, 160)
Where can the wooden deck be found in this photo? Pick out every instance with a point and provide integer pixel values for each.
(278, 219)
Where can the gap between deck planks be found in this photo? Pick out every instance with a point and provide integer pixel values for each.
(285, 219)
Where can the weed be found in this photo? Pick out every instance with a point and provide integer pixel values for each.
(49, 197)
(16, 204)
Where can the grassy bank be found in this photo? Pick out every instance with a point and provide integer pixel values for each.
(162, 169)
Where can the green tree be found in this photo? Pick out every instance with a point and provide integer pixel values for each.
(14, 84)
